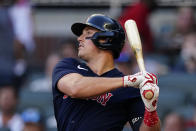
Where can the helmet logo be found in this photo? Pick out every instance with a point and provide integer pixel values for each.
(107, 26)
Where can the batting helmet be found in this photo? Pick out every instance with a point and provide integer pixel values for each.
(110, 30)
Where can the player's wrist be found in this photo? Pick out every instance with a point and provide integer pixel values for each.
(150, 118)
(123, 81)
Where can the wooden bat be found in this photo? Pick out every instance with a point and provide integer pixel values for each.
(135, 43)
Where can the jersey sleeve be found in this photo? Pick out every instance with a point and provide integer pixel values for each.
(136, 109)
(64, 67)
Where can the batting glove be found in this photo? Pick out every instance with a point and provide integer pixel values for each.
(149, 78)
(139, 79)
(150, 105)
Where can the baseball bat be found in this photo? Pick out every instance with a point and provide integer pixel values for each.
(135, 43)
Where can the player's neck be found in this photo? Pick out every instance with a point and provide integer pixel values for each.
(101, 65)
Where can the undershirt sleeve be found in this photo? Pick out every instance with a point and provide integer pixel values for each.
(136, 114)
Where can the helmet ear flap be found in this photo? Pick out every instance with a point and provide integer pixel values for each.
(105, 35)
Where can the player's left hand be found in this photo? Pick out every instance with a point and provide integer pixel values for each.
(150, 105)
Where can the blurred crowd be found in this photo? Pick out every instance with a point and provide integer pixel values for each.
(22, 54)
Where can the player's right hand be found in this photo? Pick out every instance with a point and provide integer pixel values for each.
(139, 79)
(151, 104)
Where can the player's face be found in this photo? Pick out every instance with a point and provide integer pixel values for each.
(87, 49)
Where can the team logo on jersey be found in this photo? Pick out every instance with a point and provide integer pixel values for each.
(81, 68)
(103, 99)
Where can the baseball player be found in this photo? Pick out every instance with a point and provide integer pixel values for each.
(92, 95)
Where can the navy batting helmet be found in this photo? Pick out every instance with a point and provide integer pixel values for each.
(110, 30)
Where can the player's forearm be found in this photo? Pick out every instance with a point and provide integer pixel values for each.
(78, 86)
(156, 127)
(90, 86)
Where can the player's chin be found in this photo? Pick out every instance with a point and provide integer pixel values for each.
(80, 55)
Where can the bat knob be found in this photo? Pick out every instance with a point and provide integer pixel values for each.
(148, 94)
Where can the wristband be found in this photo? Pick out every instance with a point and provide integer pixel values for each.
(150, 118)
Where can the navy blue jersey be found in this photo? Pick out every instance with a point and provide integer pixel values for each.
(107, 112)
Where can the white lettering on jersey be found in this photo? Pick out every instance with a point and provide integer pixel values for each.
(134, 120)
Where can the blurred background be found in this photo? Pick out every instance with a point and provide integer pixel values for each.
(35, 35)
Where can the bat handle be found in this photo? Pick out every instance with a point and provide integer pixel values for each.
(148, 94)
